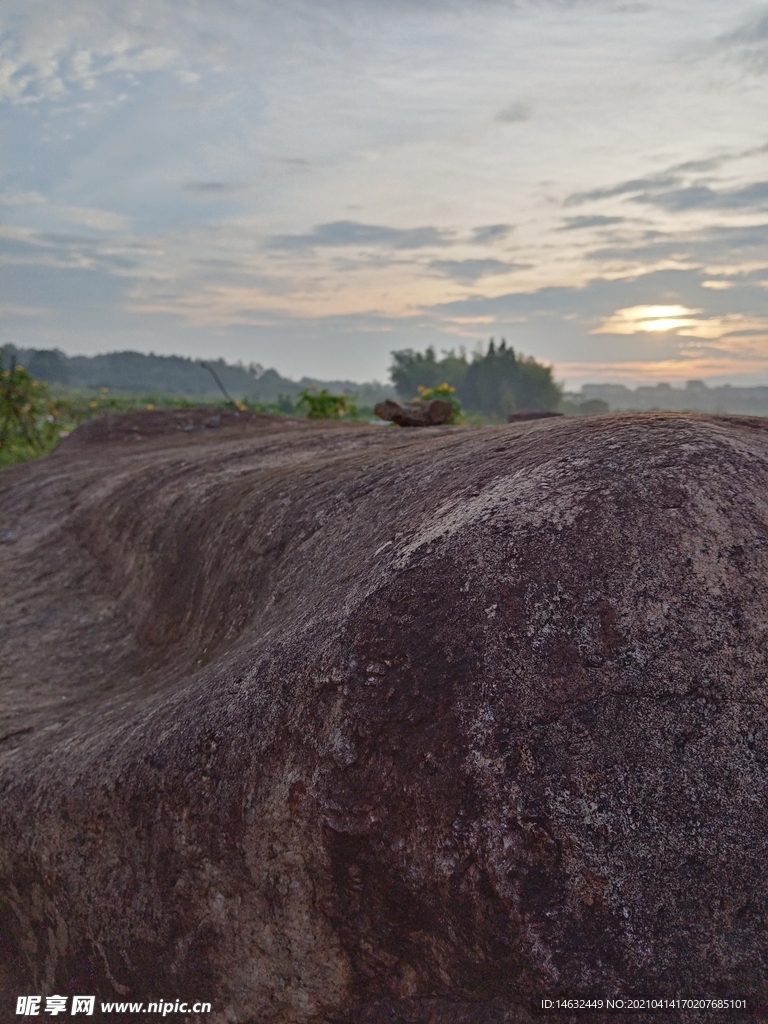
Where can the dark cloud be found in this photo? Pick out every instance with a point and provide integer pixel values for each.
(514, 113)
(351, 233)
(670, 191)
(634, 185)
(473, 270)
(576, 223)
(64, 250)
(491, 232)
(712, 245)
(697, 197)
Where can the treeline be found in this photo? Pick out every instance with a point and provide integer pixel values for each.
(494, 383)
(137, 373)
(696, 396)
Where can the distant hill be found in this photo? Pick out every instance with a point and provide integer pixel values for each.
(137, 373)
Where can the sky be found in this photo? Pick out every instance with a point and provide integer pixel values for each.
(312, 184)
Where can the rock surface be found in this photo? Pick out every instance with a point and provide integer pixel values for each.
(415, 414)
(519, 417)
(339, 725)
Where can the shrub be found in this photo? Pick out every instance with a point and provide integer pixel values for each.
(323, 406)
(444, 392)
(30, 420)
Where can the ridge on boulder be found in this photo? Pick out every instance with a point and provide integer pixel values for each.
(327, 724)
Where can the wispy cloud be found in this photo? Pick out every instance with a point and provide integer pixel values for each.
(214, 189)
(635, 185)
(515, 113)
(701, 197)
(748, 42)
(21, 198)
(596, 221)
(474, 270)
(350, 233)
(491, 233)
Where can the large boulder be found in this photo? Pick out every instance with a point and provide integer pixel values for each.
(327, 725)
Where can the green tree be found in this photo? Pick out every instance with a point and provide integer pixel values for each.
(495, 383)
(411, 370)
(501, 382)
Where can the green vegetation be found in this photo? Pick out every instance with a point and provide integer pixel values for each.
(445, 393)
(46, 394)
(29, 418)
(493, 384)
(34, 417)
(321, 405)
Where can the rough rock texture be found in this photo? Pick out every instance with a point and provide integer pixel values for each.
(415, 414)
(340, 725)
(519, 417)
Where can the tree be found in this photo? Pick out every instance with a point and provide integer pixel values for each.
(501, 382)
(411, 370)
(495, 383)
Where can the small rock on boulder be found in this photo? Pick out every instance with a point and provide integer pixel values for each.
(415, 414)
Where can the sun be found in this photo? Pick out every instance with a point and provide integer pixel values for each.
(651, 319)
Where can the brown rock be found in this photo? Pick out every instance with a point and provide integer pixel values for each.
(415, 414)
(325, 726)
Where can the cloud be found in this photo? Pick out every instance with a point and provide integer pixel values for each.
(39, 63)
(514, 113)
(22, 199)
(351, 233)
(697, 197)
(634, 185)
(678, 190)
(9, 309)
(647, 319)
(101, 220)
(214, 189)
(748, 43)
(473, 270)
(22, 247)
(491, 232)
(684, 322)
(718, 245)
(577, 223)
